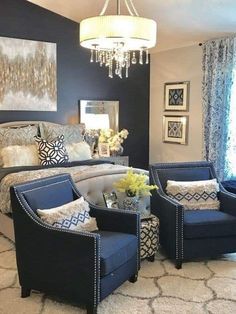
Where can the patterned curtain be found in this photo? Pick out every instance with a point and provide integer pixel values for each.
(218, 67)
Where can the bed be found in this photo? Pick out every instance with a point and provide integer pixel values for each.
(92, 176)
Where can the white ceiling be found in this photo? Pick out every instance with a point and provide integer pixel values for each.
(180, 22)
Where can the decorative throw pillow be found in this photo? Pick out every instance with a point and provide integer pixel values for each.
(78, 151)
(24, 155)
(17, 136)
(194, 194)
(73, 133)
(72, 216)
(51, 153)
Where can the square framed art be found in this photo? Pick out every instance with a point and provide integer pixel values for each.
(103, 150)
(110, 199)
(176, 96)
(175, 129)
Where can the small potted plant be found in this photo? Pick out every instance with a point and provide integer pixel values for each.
(134, 185)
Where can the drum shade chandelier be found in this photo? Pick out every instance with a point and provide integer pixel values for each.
(117, 41)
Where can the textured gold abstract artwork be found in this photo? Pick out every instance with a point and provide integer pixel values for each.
(27, 75)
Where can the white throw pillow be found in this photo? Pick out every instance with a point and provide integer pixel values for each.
(194, 194)
(20, 155)
(72, 216)
(78, 151)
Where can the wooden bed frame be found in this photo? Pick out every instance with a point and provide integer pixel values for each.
(6, 222)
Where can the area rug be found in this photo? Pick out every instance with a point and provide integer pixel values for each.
(199, 287)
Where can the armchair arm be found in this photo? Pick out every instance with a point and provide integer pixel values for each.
(171, 216)
(68, 259)
(227, 202)
(116, 219)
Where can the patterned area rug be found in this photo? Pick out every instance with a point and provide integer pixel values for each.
(200, 287)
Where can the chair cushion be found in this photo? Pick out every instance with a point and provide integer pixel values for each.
(208, 223)
(116, 249)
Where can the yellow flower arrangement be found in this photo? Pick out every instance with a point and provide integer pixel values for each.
(134, 184)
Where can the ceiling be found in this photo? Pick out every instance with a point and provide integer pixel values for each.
(180, 22)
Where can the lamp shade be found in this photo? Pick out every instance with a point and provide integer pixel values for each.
(133, 32)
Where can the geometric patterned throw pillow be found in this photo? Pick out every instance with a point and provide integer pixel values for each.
(194, 194)
(52, 153)
(70, 216)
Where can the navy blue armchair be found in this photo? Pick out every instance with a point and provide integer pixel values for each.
(189, 234)
(82, 266)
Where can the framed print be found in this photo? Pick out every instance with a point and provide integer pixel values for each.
(28, 75)
(176, 96)
(175, 129)
(103, 150)
(111, 200)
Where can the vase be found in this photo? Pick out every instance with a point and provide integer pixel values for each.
(119, 152)
(131, 203)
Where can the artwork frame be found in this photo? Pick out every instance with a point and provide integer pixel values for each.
(175, 129)
(29, 75)
(110, 199)
(176, 96)
(103, 150)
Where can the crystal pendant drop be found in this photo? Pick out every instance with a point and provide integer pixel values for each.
(133, 60)
(141, 56)
(147, 57)
(91, 57)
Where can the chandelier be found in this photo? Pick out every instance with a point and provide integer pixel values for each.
(117, 41)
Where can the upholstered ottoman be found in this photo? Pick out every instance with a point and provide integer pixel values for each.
(149, 238)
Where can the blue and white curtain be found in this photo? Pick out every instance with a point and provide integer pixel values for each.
(218, 63)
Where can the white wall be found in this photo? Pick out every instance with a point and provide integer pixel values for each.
(183, 64)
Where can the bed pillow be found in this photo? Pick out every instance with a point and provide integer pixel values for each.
(78, 151)
(194, 194)
(24, 155)
(73, 133)
(70, 216)
(51, 153)
(17, 136)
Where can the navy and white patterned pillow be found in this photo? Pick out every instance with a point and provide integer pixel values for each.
(70, 216)
(52, 153)
(194, 194)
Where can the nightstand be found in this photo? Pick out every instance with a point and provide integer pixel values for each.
(118, 160)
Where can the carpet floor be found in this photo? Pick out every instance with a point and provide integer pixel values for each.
(199, 287)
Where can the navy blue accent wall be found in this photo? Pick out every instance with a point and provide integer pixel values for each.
(77, 78)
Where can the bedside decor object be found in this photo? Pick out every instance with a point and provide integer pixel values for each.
(103, 150)
(134, 185)
(28, 75)
(176, 96)
(114, 40)
(175, 129)
(114, 140)
(111, 200)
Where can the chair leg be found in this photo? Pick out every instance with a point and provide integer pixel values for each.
(133, 278)
(25, 292)
(178, 263)
(91, 309)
